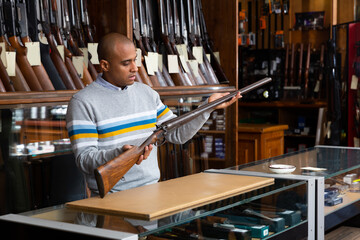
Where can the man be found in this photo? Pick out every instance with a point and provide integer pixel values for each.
(114, 113)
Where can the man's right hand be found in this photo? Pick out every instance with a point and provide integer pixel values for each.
(144, 156)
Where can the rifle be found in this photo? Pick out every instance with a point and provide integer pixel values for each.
(180, 78)
(111, 172)
(17, 82)
(60, 34)
(138, 42)
(21, 58)
(5, 79)
(153, 46)
(286, 68)
(78, 34)
(306, 84)
(194, 40)
(22, 21)
(32, 10)
(171, 31)
(157, 79)
(207, 43)
(321, 72)
(179, 31)
(54, 53)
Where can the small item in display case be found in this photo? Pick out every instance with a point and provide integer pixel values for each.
(349, 178)
(334, 201)
(331, 196)
(282, 168)
(354, 186)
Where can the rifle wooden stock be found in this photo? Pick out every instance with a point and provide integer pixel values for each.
(19, 81)
(2, 87)
(40, 72)
(112, 171)
(8, 84)
(24, 65)
(144, 76)
(59, 64)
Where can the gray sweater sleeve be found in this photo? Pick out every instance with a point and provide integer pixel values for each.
(89, 157)
(185, 132)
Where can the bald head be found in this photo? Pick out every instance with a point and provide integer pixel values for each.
(107, 44)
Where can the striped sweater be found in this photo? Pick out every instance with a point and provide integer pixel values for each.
(101, 120)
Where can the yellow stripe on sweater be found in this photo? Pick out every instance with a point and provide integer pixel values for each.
(126, 130)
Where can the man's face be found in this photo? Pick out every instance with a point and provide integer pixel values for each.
(120, 69)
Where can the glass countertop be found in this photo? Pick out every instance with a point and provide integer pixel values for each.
(61, 213)
(325, 161)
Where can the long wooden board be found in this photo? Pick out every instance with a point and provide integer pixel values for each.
(172, 196)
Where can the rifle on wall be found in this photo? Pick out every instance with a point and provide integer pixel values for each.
(32, 11)
(17, 82)
(21, 58)
(180, 78)
(54, 53)
(111, 172)
(157, 79)
(208, 45)
(307, 66)
(318, 84)
(180, 30)
(60, 32)
(22, 21)
(151, 42)
(78, 35)
(143, 76)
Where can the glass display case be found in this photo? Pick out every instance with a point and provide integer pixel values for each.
(261, 213)
(335, 170)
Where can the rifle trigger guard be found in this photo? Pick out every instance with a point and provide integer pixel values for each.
(160, 142)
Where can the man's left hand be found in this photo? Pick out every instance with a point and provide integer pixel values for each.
(215, 96)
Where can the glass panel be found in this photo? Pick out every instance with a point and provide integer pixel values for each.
(317, 161)
(268, 207)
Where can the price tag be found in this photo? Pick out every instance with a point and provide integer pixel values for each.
(183, 63)
(138, 57)
(11, 63)
(317, 86)
(78, 62)
(173, 64)
(3, 54)
(149, 67)
(160, 62)
(194, 66)
(354, 82)
(92, 48)
(208, 56)
(217, 56)
(61, 50)
(181, 48)
(86, 56)
(33, 53)
(154, 60)
(198, 54)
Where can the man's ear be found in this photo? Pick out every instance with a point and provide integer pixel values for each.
(104, 65)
